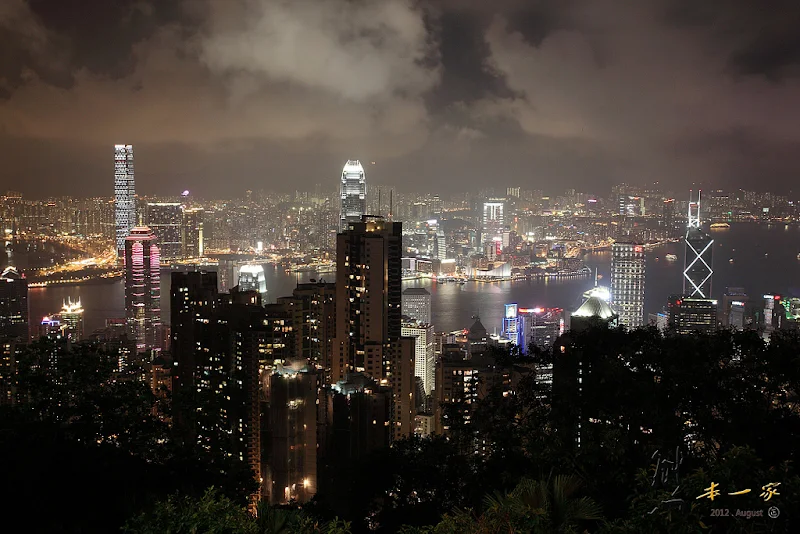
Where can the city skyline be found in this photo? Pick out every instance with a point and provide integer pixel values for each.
(465, 91)
(400, 265)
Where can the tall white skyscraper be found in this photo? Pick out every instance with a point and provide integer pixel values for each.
(124, 194)
(627, 283)
(424, 353)
(353, 194)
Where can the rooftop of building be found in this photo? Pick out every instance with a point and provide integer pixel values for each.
(11, 273)
(416, 291)
(477, 331)
(594, 307)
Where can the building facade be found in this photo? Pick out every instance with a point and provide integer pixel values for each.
(417, 304)
(13, 305)
(424, 355)
(220, 343)
(193, 239)
(291, 465)
(165, 219)
(627, 283)
(492, 223)
(543, 326)
(689, 315)
(124, 194)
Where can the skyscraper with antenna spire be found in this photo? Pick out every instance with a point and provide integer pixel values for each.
(698, 261)
(353, 194)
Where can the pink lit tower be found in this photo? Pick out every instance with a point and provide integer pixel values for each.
(143, 289)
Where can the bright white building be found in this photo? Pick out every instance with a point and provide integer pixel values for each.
(493, 221)
(252, 278)
(353, 194)
(424, 355)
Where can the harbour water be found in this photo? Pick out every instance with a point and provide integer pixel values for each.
(764, 260)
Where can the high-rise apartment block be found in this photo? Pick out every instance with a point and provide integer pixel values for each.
(13, 305)
(368, 298)
(353, 194)
(313, 310)
(143, 288)
(368, 314)
(124, 194)
(417, 304)
(166, 221)
(217, 343)
(290, 466)
(627, 283)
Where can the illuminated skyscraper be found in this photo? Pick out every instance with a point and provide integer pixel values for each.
(143, 288)
(514, 326)
(72, 319)
(251, 278)
(492, 222)
(699, 256)
(166, 220)
(124, 194)
(627, 283)
(353, 194)
(424, 355)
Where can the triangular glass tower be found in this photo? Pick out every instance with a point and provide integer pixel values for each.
(698, 262)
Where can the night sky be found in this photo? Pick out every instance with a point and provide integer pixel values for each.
(218, 96)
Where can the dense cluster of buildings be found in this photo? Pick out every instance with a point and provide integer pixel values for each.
(339, 369)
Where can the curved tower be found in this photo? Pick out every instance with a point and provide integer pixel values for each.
(353, 194)
(143, 288)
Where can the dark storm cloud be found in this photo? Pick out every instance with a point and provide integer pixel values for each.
(441, 93)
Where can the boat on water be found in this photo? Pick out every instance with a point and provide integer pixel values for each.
(720, 225)
(314, 268)
(671, 257)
